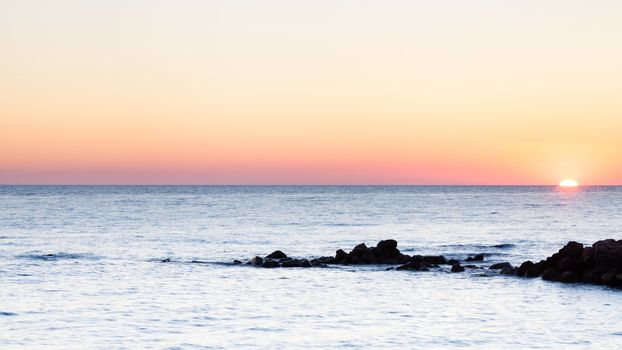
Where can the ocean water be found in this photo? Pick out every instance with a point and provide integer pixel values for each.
(105, 287)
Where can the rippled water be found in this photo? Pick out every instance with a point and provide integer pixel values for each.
(80, 267)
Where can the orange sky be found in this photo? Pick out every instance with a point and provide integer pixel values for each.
(311, 92)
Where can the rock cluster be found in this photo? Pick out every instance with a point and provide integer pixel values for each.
(280, 259)
(385, 252)
(599, 264)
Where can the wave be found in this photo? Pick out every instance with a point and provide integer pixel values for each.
(480, 246)
(6, 313)
(58, 256)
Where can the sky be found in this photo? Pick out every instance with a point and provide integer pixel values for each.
(310, 92)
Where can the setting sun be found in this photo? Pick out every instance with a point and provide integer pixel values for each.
(568, 183)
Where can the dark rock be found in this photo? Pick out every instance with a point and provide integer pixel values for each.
(572, 250)
(587, 276)
(435, 259)
(340, 256)
(522, 270)
(305, 263)
(413, 265)
(387, 245)
(269, 263)
(509, 271)
(500, 266)
(237, 262)
(257, 261)
(608, 277)
(291, 263)
(551, 274)
(452, 262)
(368, 257)
(277, 254)
(568, 277)
(478, 257)
(570, 264)
(536, 270)
(360, 247)
(457, 268)
(598, 264)
(167, 260)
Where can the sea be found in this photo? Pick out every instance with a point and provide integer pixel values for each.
(81, 267)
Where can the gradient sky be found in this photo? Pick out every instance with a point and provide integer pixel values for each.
(311, 92)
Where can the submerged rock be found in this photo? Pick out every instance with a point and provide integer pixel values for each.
(457, 268)
(501, 266)
(478, 257)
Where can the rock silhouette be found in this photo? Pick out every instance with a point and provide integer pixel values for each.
(599, 264)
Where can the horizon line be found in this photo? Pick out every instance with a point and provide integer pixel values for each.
(302, 184)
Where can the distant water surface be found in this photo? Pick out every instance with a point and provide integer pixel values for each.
(80, 267)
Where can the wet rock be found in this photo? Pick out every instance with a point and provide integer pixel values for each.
(478, 257)
(340, 256)
(387, 245)
(522, 270)
(536, 270)
(568, 277)
(413, 265)
(570, 264)
(277, 254)
(291, 263)
(237, 262)
(305, 263)
(457, 268)
(385, 252)
(257, 261)
(500, 266)
(435, 259)
(452, 262)
(551, 274)
(598, 264)
(509, 271)
(167, 260)
(269, 263)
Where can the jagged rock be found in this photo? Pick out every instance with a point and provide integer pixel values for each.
(340, 256)
(277, 254)
(385, 252)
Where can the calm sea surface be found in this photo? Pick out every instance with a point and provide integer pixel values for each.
(105, 287)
